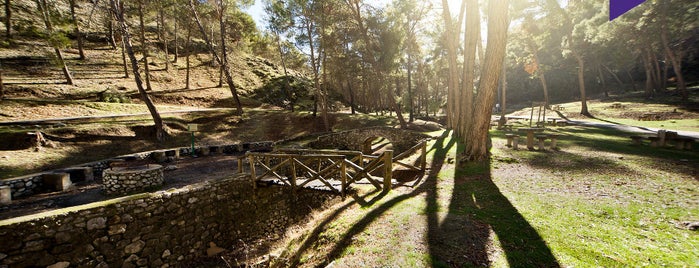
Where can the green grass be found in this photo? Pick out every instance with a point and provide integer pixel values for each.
(597, 202)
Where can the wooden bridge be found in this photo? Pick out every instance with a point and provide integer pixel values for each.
(336, 170)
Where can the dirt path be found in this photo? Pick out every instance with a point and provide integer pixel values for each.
(189, 170)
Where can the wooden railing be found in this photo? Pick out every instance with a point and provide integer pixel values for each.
(303, 167)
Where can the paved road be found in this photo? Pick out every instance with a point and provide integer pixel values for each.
(620, 127)
(627, 128)
(77, 118)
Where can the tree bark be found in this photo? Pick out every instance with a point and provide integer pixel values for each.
(177, 47)
(43, 9)
(581, 84)
(503, 97)
(226, 67)
(286, 73)
(163, 34)
(674, 59)
(188, 51)
(118, 13)
(469, 69)
(604, 82)
(110, 34)
(2, 85)
(477, 139)
(452, 41)
(123, 57)
(144, 45)
(614, 75)
(76, 30)
(8, 20)
(396, 105)
(649, 75)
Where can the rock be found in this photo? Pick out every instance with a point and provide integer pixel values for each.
(97, 223)
(63, 264)
(170, 167)
(117, 229)
(213, 249)
(134, 247)
(166, 254)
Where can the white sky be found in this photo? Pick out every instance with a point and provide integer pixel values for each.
(258, 14)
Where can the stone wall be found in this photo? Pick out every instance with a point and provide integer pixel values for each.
(129, 180)
(354, 140)
(156, 229)
(30, 184)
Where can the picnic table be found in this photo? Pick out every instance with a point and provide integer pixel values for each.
(530, 135)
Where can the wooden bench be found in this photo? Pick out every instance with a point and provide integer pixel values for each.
(505, 127)
(541, 138)
(512, 140)
(683, 143)
(654, 141)
(637, 140)
(553, 138)
(553, 121)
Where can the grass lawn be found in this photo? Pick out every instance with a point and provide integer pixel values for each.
(598, 201)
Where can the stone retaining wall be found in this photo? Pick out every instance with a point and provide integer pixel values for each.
(29, 184)
(129, 180)
(156, 229)
(356, 139)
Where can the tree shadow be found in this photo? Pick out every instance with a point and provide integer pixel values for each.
(462, 236)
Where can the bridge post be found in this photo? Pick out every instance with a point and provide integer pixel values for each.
(388, 170)
(343, 177)
(293, 174)
(423, 156)
(253, 176)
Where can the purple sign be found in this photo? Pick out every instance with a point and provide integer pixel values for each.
(619, 7)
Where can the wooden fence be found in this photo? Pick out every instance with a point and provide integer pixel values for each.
(302, 167)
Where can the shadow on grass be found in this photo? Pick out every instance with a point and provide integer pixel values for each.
(462, 238)
(477, 208)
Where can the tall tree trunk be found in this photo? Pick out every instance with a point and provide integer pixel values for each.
(452, 41)
(614, 75)
(477, 139)
(76, 30)
(110, 34)
(649, 75)
(45, 13)
(503, 97)
(657, 72)
(118, 13)
(187, 48)
(163, 34)
(633, 82)
(396, 105)
(144, 45)
(8, 20)
(226, 67)
(674, 59)
(469, 69)
(177, 47)
(663, 75)
(581, 84)
(604, 83)
(286, 87)
(410, 88)
(123, 57)
(2, 85)
(351, 95)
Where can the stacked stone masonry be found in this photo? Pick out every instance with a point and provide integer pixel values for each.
(31, 184)
(157, 229)
(130, 180)
(354, 140)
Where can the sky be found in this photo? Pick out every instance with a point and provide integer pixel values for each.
(258, 14)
